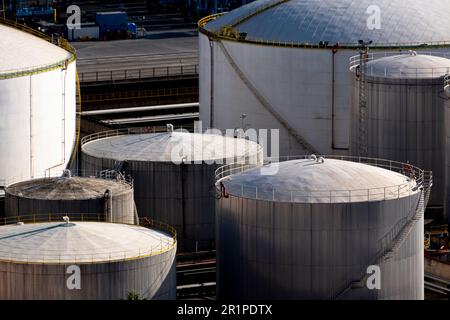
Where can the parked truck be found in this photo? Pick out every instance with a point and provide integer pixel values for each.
(115, 25)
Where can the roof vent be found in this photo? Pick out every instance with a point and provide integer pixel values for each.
(67, 173)
(169, 127)
(66, 219)
(412, 53)
(313, 157)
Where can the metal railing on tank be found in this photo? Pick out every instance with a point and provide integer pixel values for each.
(58, 41)
(54, 220)
(355, 62)
(321, 45)
(249, 151)
(416, 179)
(102, 174)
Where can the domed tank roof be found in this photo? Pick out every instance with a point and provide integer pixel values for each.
(309, 181)
(22, 51)
(67, 188)
(170, 147)
(409, 66)
(343, 21)
(78, 242)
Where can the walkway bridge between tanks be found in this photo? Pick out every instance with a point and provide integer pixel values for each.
(399, 233)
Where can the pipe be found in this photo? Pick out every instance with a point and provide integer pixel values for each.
(211, 102)
(139, 109)
(108, 205)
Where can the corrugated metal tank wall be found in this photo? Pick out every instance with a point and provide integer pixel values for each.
(122, 206)
(272, 250)
(407, 120)
(38, 122)
(297, 82)
(180, 195)
(2, 206)
(152, 277)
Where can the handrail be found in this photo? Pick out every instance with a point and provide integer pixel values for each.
(305, 45)
(147, 130)
(184, 70)
(355, 62)
(102, 174)
(87, 258)
(203, 21)
(120, 132)
(417, 179)
(60, 42)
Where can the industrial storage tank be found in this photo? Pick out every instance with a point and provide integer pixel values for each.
(37, 103)
(313, 228)
(73, 260)
(401, 112)
(284, 64)
(109, 196)
(173, 175)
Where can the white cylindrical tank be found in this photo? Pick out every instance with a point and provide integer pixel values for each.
(407, 113)
(313, 227)
(173, 175)
(37, 105)
(277, 62)
(71, 260)
(107, 199)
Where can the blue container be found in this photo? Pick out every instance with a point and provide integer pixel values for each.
(111, 21)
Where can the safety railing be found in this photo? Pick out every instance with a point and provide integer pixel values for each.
(144, 94)
(54, 256)
(130, 131)
(203, 21)
(59, 41)
(251, 153)
(140, 74)
(103, 174)
(321, 45)
(415, 178)
(355, 62)
(120, 132)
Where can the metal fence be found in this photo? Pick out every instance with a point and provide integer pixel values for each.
(103, 174)
(144, 94)
(355, 62)
(56, 257)
(296, 44)
(417, 178)
(142, 73)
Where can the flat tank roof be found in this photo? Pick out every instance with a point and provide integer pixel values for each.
(167, 147)
(310, 181)
(67, 188)
(79, 242)
(340, 21)
(409, 66)
(21, 50)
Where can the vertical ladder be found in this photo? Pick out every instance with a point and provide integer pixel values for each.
(363, 126)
